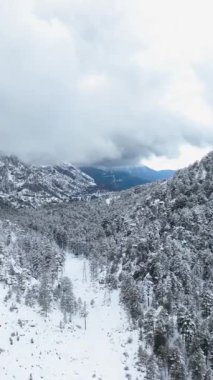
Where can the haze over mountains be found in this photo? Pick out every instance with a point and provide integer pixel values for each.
(122, 178)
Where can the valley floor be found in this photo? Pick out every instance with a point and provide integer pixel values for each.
(44, 349)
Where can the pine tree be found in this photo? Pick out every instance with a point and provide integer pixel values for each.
(208, 375)
(152, 370)
(131, 297)
(207, 303)
(67, 297)
(142, 357)
(197, 365)
(176, 365)
(45, 294)
(84, 314)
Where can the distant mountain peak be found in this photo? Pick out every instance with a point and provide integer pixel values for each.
(22, 184)
(122, 178)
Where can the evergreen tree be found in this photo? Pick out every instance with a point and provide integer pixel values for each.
(197, 365)
(84, 314)
(130, 297)
(45, 294)
(67, 300)
(208, 375)
(176, 364)
(152, 369)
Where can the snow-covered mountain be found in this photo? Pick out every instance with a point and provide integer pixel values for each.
(155, 244)
(141, 264)
(28, 185)
(57, 320)
(24, 185)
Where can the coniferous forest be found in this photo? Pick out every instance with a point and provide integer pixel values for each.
(152, 244)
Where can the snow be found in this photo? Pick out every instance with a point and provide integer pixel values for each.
(201, 173)
(30, 185)
(69, 352)
(108, 201)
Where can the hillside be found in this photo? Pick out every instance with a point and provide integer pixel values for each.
(24, 185)
(28, 185)
(117, 179)
(47, 347)
(154, 245)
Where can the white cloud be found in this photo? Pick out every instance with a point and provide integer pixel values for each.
(52, 31)
(93, 83)
(186, 96)
(188, 155)
(109, 80)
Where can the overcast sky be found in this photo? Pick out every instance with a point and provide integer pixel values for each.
(107, 81)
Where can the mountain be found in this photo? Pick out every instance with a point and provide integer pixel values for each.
(28, 185)
(23, 185)
(155, 244)
(30, 339)
(142, 262)
(118, 179)
(149, 174)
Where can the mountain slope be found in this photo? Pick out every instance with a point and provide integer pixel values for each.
(149, 174)
(47, 348)
(156, 244)
(22, 184)
(117, 179)
(165, 247)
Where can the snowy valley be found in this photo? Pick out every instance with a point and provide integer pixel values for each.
(106, 190)
(112, 288)
(37, 347)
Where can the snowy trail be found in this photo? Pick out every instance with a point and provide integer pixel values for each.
(47, 352)
(104, 338)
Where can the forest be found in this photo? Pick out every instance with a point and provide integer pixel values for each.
(154, 243)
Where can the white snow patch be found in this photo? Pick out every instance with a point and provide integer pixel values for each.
(41, 348)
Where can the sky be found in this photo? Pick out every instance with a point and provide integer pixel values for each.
(107, 82)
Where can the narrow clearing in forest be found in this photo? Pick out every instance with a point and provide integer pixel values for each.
(105, 350)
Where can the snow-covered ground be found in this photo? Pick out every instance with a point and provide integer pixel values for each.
(106, 350)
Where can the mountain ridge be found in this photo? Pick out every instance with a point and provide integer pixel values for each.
(122, 178)
(24, 184)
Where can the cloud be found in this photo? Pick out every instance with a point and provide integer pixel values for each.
(92, 83)
(111, 82)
